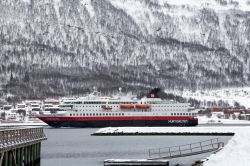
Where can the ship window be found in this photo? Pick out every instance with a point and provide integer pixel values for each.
(78, 102)
(180, 113)
(171, 113)
(70, 114)
(83, 114)
(93, 114)
(87, 114)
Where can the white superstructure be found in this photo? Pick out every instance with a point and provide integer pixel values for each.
(108, 106)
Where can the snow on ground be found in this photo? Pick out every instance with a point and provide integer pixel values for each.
(89, 7)
(214, 4)
(22, 124)
(205, 129)
(241, 95)
(236, 152)
(138, 10)
(27, 1)
(215, 120)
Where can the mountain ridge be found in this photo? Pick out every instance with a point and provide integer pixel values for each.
(66, 47)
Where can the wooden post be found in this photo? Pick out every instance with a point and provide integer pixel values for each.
(26, 156)
(22, 156)
(6, 159)
(14, 160)
(1, 159)
(38, 153)
(29, 159)
(32, 154)
(18, 158)
(10, 159)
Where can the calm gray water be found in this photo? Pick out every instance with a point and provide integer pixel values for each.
(76, 147)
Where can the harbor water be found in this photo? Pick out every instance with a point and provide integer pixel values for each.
(76, 147)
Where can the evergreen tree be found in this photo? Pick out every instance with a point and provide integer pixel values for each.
(26, 77)
(11, 77)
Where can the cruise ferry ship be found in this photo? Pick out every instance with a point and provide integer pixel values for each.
(96, 111)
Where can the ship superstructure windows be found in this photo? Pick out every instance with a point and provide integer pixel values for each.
(94, 102)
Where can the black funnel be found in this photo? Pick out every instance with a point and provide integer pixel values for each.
(154, 93)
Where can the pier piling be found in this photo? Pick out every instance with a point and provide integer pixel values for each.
(20, 146)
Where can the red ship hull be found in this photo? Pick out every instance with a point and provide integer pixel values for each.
(120, 121)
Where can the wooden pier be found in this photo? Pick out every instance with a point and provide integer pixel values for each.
(20, 146)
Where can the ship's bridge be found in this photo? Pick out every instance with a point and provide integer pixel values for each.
(151, 100)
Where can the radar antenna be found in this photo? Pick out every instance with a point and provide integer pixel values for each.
(95, 92)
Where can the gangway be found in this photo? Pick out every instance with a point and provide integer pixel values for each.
(211, 145)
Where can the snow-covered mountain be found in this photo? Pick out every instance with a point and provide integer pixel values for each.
(239, 96)
(56, 47)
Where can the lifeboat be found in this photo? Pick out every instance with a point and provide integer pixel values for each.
(142, 106)
(127, 106)
(106, 107)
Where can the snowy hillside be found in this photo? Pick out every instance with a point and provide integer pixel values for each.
(58, 47)
(229, 95)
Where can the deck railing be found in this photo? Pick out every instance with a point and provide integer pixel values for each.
(17, 137)
(186, 150)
